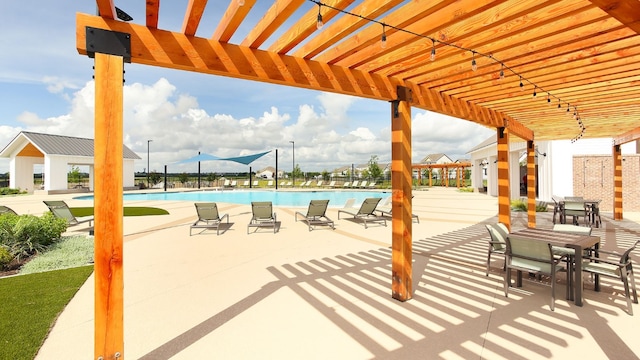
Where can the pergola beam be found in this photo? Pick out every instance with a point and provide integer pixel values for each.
(178, 51)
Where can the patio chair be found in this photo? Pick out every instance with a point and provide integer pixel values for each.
(319, 184)
(354, 184)
(615, 265)
(366, 212)
(363, 184)
(208, 218)
(256, 183)
(385, 209)
(497, 242)
(227, 183)
(534, 257)
(576, 209)
(557, 208)
(332, 184)
(245, 183)
(316, 214)
(262, 216)
(270, 183)
(60, 209)
(7, 210)
(372, 185)
(346, 185)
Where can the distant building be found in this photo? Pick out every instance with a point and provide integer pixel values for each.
(56, 153)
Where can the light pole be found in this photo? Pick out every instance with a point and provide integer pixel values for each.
(293, 163)
(148, 141)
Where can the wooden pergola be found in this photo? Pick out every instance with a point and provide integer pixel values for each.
(579, 55)
(459, 168)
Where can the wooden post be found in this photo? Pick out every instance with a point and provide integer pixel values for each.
(617, 183)
(401, 177)
(504, 191)
(108, 144)
(530, 185)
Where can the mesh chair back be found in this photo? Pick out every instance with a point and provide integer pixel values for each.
(532, 254)
(6, 210)
(262, 210)
(498, 236)
(207, 211)
(60, 209)
(369, 206)
(317, 208)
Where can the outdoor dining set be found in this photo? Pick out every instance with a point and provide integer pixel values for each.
(565, 248)
(575, 208)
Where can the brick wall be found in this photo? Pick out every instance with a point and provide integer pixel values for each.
(593, 179)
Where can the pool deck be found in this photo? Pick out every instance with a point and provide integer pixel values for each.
(326, 293)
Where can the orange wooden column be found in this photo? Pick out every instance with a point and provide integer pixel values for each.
(109, 337)
(531, 184)
(401, 177)
(504, 192)
(617, 183)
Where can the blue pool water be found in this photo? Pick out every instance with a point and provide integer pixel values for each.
(278, 198)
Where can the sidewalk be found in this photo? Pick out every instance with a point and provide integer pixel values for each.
(326, 293)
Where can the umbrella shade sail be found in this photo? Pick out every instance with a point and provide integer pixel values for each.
(246, 159)
(199, 157)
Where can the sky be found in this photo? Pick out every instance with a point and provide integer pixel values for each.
(47, 87)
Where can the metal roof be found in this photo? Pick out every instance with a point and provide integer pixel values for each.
(63, 145)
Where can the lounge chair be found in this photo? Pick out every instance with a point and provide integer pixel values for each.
(363, 184)
(7, 210)
(372, 185)
(245, 183)
(227, 183)
(60, 209)
(316, 214)
(234, 183)
(332, 184)
(366, 212)
(385, 210)
(256, 183)
(354, 184)
(263, 216)
(270, 183)
(319, 184)
(346, 184)
(208, 217)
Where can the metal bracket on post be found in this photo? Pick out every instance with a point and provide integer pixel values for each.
(108, 42)
(402, 94)
(395, 104)
(501, 132)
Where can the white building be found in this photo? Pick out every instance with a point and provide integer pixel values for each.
(56, 153)
(554, 164)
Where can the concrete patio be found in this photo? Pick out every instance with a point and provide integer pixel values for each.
(326, 293)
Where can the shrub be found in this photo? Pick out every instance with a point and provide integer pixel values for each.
(70, 251)
(26, 235)
(521, 205)
(5, 257)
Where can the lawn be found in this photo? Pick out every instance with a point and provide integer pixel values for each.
(128, 211)
(30, 305)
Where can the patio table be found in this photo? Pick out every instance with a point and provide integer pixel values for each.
(574, 241)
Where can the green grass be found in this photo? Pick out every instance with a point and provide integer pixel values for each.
(30, 306)
(128, 211)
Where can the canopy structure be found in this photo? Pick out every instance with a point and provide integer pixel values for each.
(533, 70)
(244, 159)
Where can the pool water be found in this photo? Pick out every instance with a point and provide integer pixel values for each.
(278, 198)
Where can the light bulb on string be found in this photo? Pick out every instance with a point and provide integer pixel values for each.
(319, 23)
(433, 50)
(502, 72)
(534, 92)
(521, 84)
(548, 98)
(383, 43)
(474, 65)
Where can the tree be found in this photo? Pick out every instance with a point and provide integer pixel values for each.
(184, 177)
(325, 175)
(74, 175)
(374, 169)
(297, 173)
(154, 178)
(211, 177)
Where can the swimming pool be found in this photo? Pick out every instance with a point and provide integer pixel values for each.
(278, 198)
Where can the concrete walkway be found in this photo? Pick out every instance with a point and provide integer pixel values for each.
(325, 294)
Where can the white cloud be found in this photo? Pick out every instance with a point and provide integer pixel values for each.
(326, 134)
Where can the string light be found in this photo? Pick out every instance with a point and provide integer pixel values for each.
(319, 23)
(433, 50)
(474, 65)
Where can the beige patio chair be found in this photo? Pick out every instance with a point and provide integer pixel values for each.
(366, 212)
(615, 265)
(262, 216)
(575, 210)
(316, 214)
(208, 218)
(497, 242)
(61, 210)
(534, 257)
